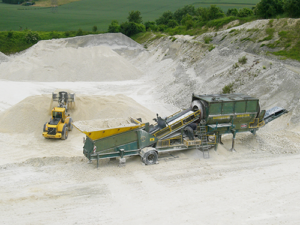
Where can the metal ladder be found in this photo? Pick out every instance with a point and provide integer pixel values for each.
(204, 146)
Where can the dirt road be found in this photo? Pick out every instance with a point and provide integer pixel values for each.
(184, 188)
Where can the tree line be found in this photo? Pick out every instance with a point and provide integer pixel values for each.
(189, 16)
(13, 1)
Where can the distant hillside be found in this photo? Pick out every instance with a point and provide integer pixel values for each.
(274, 37)
(88, 13)
(257, 58)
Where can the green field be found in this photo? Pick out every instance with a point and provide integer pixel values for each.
(85, 14)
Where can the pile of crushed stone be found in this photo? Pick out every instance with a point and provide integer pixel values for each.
(30, 114)
(101, 124)
(59, 60)
(3, 57)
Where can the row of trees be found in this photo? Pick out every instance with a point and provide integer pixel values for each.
(189, 16)
(189, 12)
(271, 8)
(132, 26)
(23, 2)
(13, 1)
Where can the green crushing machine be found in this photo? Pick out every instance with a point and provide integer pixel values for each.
(199, 126)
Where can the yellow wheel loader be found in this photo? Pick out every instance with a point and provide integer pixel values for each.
(59, 126)
(60, 123)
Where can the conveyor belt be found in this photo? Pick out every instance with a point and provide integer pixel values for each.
(175, 123)
(274, 113)
(178, 114)
(162, 123)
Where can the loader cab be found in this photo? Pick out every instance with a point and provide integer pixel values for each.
(58, 114)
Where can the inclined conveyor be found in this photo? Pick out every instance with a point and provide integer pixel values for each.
(166, 127)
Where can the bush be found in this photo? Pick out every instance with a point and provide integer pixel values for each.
(220, 22)
(227, 89)
(292, 7)
(32, 37)
(270, 32)
(135, 17)
(189, 24)
(269, 8)
(54, 34)
(173, 39)
(215, 12)
(292, 53)
(245, 12)
(95, 28)
(185, 18)
(177, 30)
(232, 12)
(79, 32)
(243, 60)
(203, 13)
(164, 19)
(67, 33)
(10, 34)
(132, 28)
(114, 27)
(207, 39)
(235, 66)
(149, 25)
(172, 23)
(153, 28)
(283, 34)
(161, 27)
(180, 13)
(211, 47)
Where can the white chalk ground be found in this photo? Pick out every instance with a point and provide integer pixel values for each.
(46, 181)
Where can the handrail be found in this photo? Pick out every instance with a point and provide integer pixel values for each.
(174, 114)
(167, 142)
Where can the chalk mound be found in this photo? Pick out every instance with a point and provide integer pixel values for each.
(3, 57)
(100, 124)
(30, 114)
(113, 40)
(27, 116)
(52, 61)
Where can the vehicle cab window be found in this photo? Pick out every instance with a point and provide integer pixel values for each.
(57, 115)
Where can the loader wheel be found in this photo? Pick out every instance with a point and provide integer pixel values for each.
(64, 133)
(44, 128)
(70, 125)
(150, 157)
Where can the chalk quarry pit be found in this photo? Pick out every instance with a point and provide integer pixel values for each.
(46, 181)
